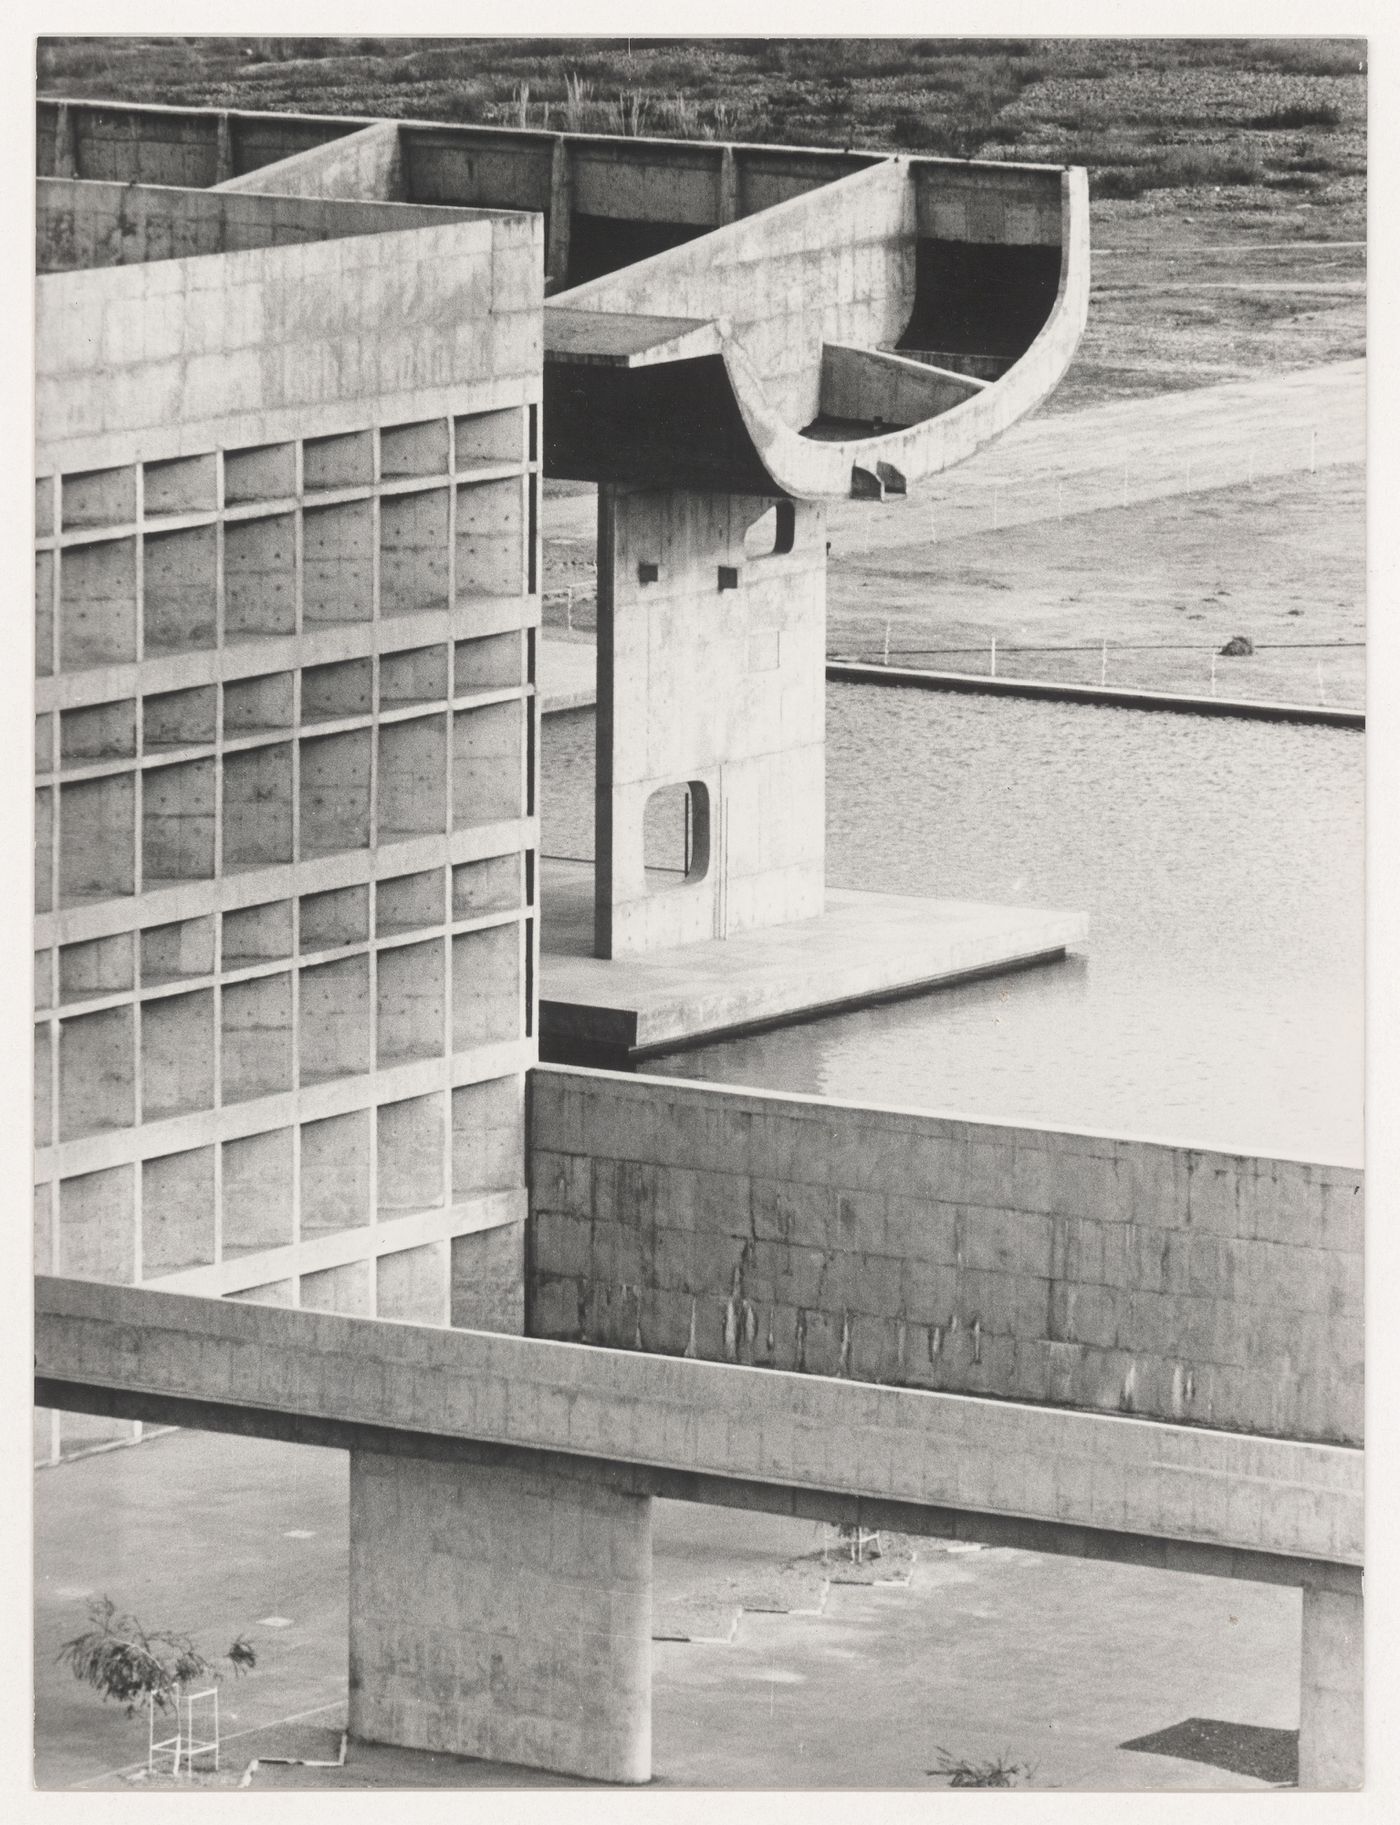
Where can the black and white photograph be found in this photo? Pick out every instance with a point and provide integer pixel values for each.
(700, 931)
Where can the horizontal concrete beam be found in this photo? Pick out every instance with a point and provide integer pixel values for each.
(714, 1430)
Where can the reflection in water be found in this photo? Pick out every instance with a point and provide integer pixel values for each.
(1219, 998)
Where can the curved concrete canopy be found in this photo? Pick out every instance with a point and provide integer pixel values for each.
(790, 351)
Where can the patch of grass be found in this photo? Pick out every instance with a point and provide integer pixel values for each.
(1182, 168)
(1324, 114)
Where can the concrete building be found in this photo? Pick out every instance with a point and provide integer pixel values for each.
(292, 372)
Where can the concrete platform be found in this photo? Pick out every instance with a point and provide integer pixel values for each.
(866, 947)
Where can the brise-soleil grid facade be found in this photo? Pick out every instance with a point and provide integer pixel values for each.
(285, 867)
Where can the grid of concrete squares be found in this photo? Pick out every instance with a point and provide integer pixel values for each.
(284, 749)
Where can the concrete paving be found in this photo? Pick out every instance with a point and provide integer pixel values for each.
(864, 947)
(979, 1653)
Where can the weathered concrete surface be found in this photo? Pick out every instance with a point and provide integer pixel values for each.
(927, 1251)
(239, 353)
(860, 948)
(1332, 1726)
(710, 675)
(1222, 1502)
(361, 165)
(82, 225)
(518, 1629)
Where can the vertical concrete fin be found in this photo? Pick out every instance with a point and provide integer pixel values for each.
(561, 203)
(728, 187)
(223, 156)
(65, 149)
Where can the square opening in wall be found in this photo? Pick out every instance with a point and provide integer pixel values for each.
(256, 1050)
(488, 764)
(260, 578)
(420, 449)
(97, 843)
(180, 719)
(43, 1084)
(412, 778)
(413, 552)
(257, 807)
(489, 438)
(257, 1194)
(43, 614)
(490, 555)
(332, 920)
(177, 951)
(177, 823)
(489, 886)
(101, 966)
(97, 1073)
(343, 461)
(178, 591)
(177, 1055)
(335, 801)
(99, 497)
(495, 663)
(97, 733)
(418, 675)
(177, 1212)
(334, 1040)
(411, 1143)
(97, 1226)
(257, 934)
(335, 1174)
(337, 564)
(347, 1289)
(412, 1286)
(408, 902)
(43, 850)
(97, 604)
(332, 693)
(487, 995)
(265, 472)
(184, 484)
(411, 1009)
(257, 706)
(488, 1137)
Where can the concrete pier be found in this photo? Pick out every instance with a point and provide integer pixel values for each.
(864, 947)
(518, 1629)
(1331, 1724)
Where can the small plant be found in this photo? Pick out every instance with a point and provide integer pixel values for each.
(131, 1666)
(1001, 1771)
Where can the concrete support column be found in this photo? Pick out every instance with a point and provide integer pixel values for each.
(223, 154)
(728, 187)
(1331, 1733)
(711, 683)
(500, 1613)
(65, 149)
(561, 203)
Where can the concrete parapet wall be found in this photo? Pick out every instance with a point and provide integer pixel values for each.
(733, 1429)
(361, 165)
(1117, 1275)
(191, 353)
(81, 224)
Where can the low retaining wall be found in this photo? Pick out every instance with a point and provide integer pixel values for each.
(926, 1252)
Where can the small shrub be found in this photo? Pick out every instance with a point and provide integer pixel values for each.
(1000, 1771)
(125, 1663)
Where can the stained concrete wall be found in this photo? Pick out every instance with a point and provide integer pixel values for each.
(1331, 1738)
(1028, 1263)
(723, 686)
(360, 166)
(194, 147)
(81, 225)
(502, 1613)
(178, 356)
